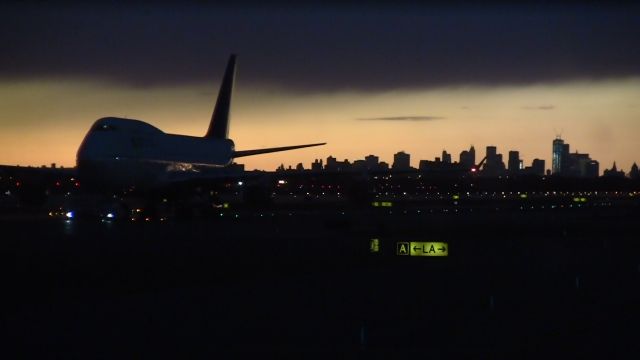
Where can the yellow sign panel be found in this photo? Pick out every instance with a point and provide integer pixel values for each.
(428, 248)
(421, 248)
(374, 245)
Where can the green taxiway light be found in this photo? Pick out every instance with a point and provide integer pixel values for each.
(456, 197)
(382, 204)
(523, 196)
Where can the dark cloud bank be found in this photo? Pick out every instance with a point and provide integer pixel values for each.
(322, 48)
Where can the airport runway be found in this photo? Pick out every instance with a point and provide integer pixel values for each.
(528, 285)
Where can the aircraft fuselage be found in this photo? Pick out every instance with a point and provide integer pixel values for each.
(124, 152)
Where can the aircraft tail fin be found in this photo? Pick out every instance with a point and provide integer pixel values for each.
(219, 125)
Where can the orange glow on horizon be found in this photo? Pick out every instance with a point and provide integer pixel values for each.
(44, 122)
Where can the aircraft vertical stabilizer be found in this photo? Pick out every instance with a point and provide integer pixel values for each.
(219, 126)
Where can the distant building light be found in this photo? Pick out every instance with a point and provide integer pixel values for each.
(281, 182)
(240, 183)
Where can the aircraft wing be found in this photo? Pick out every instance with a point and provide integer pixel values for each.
(30, 172)
(241, 153)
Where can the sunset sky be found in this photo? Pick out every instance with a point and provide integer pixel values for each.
(365, 79)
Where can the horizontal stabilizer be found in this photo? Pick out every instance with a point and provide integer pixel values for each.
(241, 153)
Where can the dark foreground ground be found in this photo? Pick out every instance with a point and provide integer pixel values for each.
(532, 284)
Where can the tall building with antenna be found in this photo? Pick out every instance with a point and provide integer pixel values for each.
(557, 155)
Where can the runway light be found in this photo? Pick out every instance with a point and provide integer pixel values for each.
(110, 216)
(69, 215)
(240, 183)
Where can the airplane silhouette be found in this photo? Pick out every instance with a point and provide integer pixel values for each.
(120, 152)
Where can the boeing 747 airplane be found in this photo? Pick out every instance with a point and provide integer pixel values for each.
(120, 152)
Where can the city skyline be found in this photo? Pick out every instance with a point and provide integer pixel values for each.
(558, 69)
(492, 162)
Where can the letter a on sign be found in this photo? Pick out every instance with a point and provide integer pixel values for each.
(402, 248)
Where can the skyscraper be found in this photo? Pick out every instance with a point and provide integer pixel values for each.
(468, 158)
(556, 159)
(494, 166)
(514, 162)
(472, 155)
(592, 169)
(634, 173)
(538, 167)
(401, 161)
(371, 162)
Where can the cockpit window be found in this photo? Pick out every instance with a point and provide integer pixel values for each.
(104, 127)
